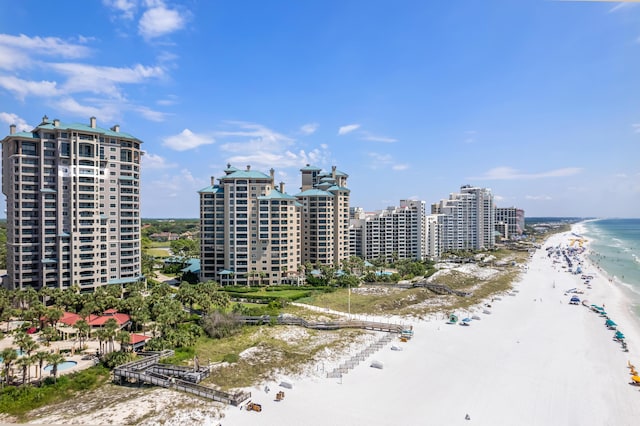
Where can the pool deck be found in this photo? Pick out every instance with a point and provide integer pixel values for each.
(63, 345)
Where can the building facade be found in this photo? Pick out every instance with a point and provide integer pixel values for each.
(469, 219)
(324, 197)
(509, 222)
(391, 234)
(250, 230)
(73, 203)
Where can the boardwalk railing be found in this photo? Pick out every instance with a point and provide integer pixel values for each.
(438, 288)
(327, 325)
(149, 370)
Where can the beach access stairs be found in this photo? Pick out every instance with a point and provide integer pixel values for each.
(149, 370)
(390, 330)
(356, 359)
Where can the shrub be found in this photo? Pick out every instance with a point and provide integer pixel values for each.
(231, 358)
(218, 325)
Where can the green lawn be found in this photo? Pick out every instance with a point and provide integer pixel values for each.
(158, 253)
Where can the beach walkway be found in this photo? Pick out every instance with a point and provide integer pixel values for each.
(149, 370)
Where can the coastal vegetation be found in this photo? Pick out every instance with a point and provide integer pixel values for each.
(203, 319)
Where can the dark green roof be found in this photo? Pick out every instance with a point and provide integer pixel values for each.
(247, 174)
(215, 189)
(84, 128)
(314, 193)
(276, 195)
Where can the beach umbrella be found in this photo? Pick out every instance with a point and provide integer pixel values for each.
(466, 320)
(619, 335)
(610, 322)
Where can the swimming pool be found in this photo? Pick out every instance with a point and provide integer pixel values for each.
(62, 366)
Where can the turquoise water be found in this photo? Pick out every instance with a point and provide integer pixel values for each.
(615, 248)
(62, 366)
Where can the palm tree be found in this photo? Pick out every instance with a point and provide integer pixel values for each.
(40, 357)
(110, 327)
(83, 331)
(9, 355)
(124, 338)
(101, 335)
(24, 363)
(55, 360)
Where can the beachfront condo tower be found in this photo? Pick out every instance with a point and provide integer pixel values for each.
(397, 232)
(469, 219)
(73, 203)
(325, 215)
(249, 230)
(509, 222)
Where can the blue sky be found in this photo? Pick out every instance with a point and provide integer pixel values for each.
(538, 100)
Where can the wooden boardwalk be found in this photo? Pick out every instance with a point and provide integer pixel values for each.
(149, 370)
(324, 325)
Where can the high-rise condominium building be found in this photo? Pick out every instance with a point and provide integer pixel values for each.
(509, 222)
(469, 219)
(325, 215)
(250, 230)
(73, 203)
(392, 233)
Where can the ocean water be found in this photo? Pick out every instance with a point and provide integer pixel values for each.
(615, 248)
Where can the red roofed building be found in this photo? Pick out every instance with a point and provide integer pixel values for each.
(137, 341)
(122, 319)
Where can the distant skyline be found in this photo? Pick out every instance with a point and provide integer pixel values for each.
(538, 100)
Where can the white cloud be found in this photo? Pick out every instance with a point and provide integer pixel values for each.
(154, 161)
(538, 197)
(150, 114)
(175, 185)
(23, 88)
(105, 111)
(126, 8)
(10, 118)
(45, 46)
(159, 21)
(187, 140)
(366, 136)
(400, 167)
(309, 128)
(104, 80)
(262, 147)
(508, 173)
(385, 161)
(343, 130)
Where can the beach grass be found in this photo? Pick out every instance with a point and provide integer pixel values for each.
(275, 351)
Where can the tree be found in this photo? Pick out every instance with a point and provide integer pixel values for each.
(55, 360)
(83, 329)
(124, 338)
(8, 355)
(53, 315)
(111, 326)
(24, 363)
(184, 247)
(49, 334)
(41, 357)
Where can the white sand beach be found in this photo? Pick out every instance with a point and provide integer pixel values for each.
(535, 360)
